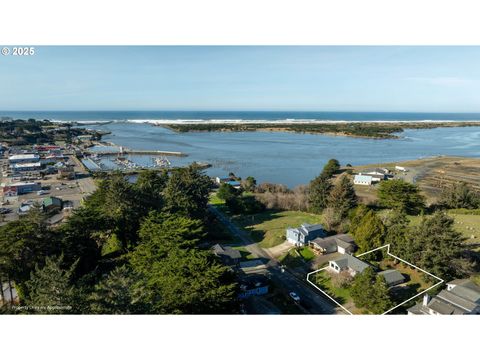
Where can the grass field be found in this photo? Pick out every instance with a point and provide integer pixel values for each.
(297, 257)
(467, 224)
(268, 228)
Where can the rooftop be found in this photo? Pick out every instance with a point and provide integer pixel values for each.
(392, 276)
(351, 262)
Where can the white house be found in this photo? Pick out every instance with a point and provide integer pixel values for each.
(347, 262)
(362, 179)
(400, 168)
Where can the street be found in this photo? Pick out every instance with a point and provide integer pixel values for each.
(316, 303)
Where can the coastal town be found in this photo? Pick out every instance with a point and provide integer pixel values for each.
(312, 250)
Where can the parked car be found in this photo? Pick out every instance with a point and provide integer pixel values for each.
(294, 296)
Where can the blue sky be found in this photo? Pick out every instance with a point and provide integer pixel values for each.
(430, 79)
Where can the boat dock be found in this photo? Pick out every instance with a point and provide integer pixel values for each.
(126, 151)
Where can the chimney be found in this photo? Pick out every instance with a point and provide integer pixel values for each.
(426, 299)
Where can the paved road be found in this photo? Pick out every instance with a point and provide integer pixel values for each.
(315, 303)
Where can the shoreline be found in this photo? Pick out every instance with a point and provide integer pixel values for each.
(360, 129)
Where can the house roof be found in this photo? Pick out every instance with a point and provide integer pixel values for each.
(363, 178)
(456, 300)
(309, 227)
(392, 276)
(342, 240)
(325, 243)
(52, 200)
(466, 289)
(351, 262)
(226, 251)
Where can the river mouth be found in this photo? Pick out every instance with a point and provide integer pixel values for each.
(290, 158)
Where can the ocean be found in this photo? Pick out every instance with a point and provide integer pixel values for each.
(288, 158)
(238, 115)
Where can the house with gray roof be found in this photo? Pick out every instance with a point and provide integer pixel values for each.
(304, 233)
(227, 254)
(392, 277)
(347, 262)
(341, 243)
(462, 297)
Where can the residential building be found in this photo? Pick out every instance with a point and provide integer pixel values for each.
(462, 297)
(253, 285)
(228, 255)
(392, 277)
(303, 234)
(341, 243)
(228, 180)
(349, 263)
(52, 203)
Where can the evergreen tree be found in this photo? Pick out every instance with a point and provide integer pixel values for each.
(150, 185)
(24, 243)
(369, 233)
(381, 301)
(362, 290)
(396, 236)
(227, 191)
(459, 195)
(318, 192)
(342, 197)
(118, 293)
(370, 291)
(50, 289)
(187, 192)
(400, 195)
(436, 246)
(331, 168)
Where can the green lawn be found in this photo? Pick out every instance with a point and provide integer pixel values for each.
(297, 257)
(323, 281)
(268, 228)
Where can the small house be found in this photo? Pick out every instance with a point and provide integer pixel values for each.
(303, 234)
(341, 243)
(52, 203)
(392, 277)
(349, 263)
(228, 255)
(253, 285)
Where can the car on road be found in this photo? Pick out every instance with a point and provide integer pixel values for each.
(294, 296)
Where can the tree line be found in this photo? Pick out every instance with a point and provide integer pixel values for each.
(131, 248)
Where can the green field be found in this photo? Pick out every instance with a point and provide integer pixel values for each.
(268, 228)
(297, 257)
(467, 224)
(323, 281)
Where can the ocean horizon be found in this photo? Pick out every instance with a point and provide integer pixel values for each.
(236, 116)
